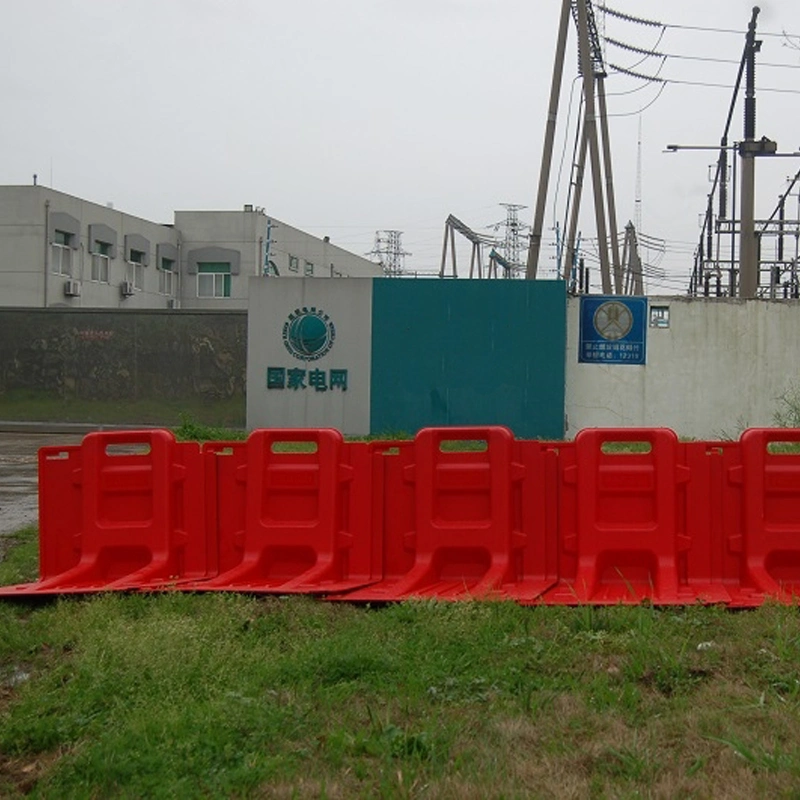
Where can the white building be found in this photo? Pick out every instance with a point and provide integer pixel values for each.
(59, 250)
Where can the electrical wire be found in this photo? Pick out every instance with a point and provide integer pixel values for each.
(630, 73)
(633, 49)
(629, 18)
(655, 24)
(729, 61)
(706, 59)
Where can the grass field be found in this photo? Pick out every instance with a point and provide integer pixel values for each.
(219, 695)
(40, 406)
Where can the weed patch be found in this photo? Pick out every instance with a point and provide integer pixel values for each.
(219, 694)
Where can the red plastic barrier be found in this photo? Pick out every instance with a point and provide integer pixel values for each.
(623, 538)
(560, 523)
(454, 520)
(292, 522)
(712, 512)
(770, 533)
(120, 511)
(60, 510)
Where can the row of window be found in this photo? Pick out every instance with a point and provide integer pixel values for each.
(308, 270)
(213, 279)
(61, 263)
(294, 266)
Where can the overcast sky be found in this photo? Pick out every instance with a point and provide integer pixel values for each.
(348, 117)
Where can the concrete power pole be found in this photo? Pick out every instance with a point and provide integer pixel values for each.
(590, 131)
(592, 73)
(748, 266)
(549, 139)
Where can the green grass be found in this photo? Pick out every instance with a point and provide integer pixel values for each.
(191, 430)
(221, 695)
(40, 406)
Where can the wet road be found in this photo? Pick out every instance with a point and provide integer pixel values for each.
(19, 495)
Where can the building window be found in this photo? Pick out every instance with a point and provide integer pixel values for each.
(61, 254)
(166, 277)
(294, 264)
(659, 316)
(214, 279)
(309, 270)
(135, 270)
(100, 259)
(134, 273)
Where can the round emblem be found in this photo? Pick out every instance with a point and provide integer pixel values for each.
(308, 333)
(613, 320)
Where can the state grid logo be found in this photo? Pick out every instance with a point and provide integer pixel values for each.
(308, 333)
(613, 320)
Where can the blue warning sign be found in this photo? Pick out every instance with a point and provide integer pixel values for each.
(613, 330)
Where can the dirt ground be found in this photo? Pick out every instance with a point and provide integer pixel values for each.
(19, 497)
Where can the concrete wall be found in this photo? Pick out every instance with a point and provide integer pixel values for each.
(414, 353)
(111, 366)
(719, 367)
(346, 308)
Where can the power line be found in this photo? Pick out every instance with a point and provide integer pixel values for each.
(656, 54)
(643, 108)
(655, 24)
(678, 82)
(773, 90)
(729, 61)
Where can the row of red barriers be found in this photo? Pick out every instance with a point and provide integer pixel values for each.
(617, 516)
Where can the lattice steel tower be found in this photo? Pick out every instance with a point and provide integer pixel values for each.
(515, 238)
(389, 251)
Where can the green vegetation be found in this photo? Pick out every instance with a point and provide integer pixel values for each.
(221, 695)
(42, 406)
(190, 430)
(787, 414)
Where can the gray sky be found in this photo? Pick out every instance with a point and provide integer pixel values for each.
(342, 118)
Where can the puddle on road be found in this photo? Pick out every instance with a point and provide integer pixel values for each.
(19, 480)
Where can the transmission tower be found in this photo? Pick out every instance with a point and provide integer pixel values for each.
(389, 251)
(515, 239)
(593, 72)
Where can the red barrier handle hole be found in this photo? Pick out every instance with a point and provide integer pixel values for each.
(294, 447)
(625, 448)
(60, 456)
(463, 446)
(783, 448)
(128, 449)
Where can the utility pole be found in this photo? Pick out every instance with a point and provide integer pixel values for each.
(591, 70)
(609, 183)
(572, 230)
(549, 138)
(748, 265)
(590, 131)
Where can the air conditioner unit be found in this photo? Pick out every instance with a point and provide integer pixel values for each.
(172, 303)
(72, 289)
(126, 287)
